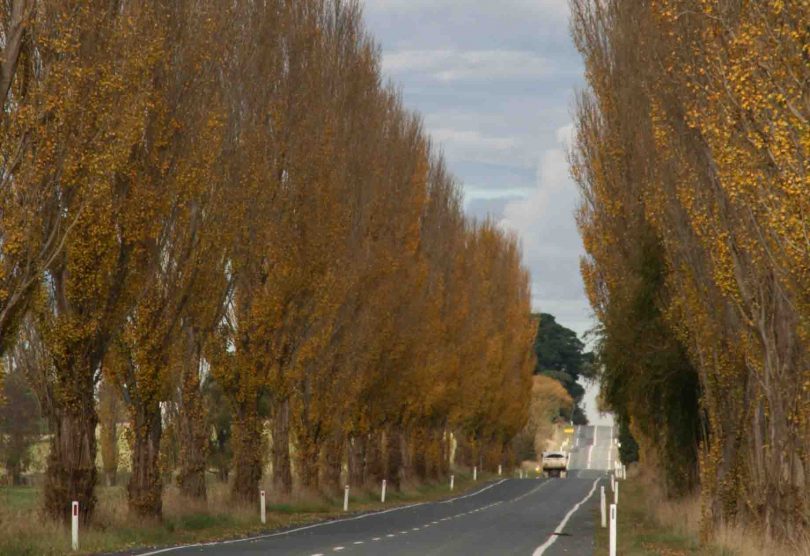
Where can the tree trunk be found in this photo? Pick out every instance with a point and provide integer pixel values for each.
(15, 472)
(307, 459)
(247, 453)
(357, 460)
(434, 454)
(108, 412)
(282, 470)
(332, 463)
(375, 471)
(145, 488)
(393, 457)
(71, 470)
(192, 434)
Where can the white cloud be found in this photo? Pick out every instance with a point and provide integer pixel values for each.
(448, 65)
(471, 145)
(555, 9)
(472, 139)
(544, 220)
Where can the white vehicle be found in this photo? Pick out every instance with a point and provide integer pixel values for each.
(555, 464)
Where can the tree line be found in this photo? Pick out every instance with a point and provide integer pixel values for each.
(692, 157)
(197, 194)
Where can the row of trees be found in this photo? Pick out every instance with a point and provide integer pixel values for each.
(195, 191)
(692, 157)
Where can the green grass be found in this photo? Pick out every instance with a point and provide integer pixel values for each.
(23, 532)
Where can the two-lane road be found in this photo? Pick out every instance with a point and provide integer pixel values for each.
(511, 516)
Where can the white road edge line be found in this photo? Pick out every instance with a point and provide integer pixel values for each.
(314, 525)
(473, 493)
(554, 536)
(280, 533)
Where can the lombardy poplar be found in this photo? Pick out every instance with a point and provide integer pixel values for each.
(693, 160)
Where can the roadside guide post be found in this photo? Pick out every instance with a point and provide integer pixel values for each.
(74, 516)
(382, 495)
(452, 480)
(262, 507)
(500, 469)
(616, 494)
(346, 499)
(613, 530)
(475, 473)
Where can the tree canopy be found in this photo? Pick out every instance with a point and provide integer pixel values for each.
(561, 355)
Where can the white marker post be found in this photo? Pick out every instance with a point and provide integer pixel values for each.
(475, 473)
(612, 483)
(382, 493)
(616, 494)
(262, 507)
(613, 530)
(603, 505)
(346, 499)
(500, 469)
(452, 481)
(74, 515)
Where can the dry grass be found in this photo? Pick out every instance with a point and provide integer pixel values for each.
(673, 526)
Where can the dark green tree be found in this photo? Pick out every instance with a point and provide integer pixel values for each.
(561, 355)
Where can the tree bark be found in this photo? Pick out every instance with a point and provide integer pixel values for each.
(145, 488)
(71, 469)
(247, 453)
(20, 10)
(192, 434)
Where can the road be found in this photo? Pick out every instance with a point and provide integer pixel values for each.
(511, 516)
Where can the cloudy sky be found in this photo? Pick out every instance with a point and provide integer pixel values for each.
(495, 81)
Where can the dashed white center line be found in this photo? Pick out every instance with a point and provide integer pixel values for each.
(389, 535)
(415, 529)
(358, 542)
(338, 548)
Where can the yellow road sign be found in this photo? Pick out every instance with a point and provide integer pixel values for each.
(569, 430)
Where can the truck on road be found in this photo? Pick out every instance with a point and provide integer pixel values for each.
(555, 464)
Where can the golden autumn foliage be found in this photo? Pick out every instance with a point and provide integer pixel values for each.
(236, 197)
(694, 142)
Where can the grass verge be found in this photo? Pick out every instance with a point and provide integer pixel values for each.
(648, 524)
(641, 531)
(24, 532)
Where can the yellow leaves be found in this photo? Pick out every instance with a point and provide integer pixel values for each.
(717, 167)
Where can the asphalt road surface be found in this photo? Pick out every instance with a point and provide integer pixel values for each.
(511, 516)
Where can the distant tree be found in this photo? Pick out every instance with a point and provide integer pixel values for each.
(20, 424)
(561, 355)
